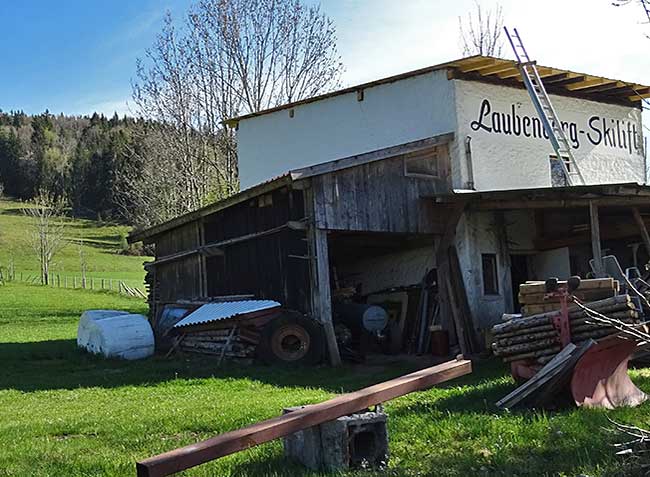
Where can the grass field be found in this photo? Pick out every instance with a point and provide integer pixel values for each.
(100, 244)
(65, 413)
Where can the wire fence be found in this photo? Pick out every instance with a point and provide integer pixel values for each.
(57, 280)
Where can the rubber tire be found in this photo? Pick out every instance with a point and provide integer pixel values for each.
(315, 352)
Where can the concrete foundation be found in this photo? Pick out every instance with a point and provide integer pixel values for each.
(354, 441)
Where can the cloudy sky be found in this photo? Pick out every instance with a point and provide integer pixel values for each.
(78, 56)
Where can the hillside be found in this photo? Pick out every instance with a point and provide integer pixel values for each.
(99, 243)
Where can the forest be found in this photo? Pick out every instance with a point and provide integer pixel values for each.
(218, 61)
(81, 158)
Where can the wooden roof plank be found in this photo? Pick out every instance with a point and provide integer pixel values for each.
(478, 65)
(587, 83)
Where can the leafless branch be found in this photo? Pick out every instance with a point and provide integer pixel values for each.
(481, 32)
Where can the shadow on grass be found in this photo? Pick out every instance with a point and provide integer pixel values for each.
(59, 364)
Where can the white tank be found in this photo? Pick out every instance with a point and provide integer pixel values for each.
(115, 334)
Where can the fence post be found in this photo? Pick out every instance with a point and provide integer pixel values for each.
(102, 284)
(65, 282)
(74, 282)
(92, 283)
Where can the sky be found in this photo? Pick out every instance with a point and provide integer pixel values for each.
(78, 57)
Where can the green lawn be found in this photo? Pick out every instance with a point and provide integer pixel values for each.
(100, 244)
(65, 413)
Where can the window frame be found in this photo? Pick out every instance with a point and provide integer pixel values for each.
(496, 291)
(422, 154)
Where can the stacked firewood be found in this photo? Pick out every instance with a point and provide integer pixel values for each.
(535, 337)
(234, 343)
(534, 300)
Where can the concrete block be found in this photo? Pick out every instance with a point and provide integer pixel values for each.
(355, 441)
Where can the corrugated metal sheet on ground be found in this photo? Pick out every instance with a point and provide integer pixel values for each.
(222, 311)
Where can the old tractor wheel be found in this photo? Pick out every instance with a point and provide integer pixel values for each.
(291, 339)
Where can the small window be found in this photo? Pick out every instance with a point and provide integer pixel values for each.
(490, 275)
(424, 163)
(558, 179)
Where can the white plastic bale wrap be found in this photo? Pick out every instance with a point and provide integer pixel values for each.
(115, 334)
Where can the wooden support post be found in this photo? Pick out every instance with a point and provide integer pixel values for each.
(203, 278)
(595, 240)
(323, 300)
(642, 228)
(313, 415)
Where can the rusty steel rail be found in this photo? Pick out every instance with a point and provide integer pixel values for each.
(195, 454)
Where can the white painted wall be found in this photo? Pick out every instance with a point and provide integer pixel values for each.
(510, 161)
(476, 234)
(390, 270)
(340, 126)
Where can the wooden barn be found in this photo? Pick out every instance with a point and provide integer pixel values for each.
(432, 193)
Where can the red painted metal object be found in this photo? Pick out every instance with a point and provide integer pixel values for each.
(599, 378)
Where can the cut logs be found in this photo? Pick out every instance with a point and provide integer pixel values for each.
(535, 337)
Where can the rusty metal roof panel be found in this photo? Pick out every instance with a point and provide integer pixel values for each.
(211, 312)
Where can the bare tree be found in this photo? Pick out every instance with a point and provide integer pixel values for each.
(481, 32)
(46, 234)
(644, 8)
(230, 57)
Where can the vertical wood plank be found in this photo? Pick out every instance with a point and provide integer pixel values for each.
(324, 302)
(642, 228)
(595, 240)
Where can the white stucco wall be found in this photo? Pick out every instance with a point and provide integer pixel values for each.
(477, 234)
(390, 114)
(498, 119)
(390, 270)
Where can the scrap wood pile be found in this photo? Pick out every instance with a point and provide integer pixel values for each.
(536, 338)
(533, 298)
(232, 343)
(231, 330)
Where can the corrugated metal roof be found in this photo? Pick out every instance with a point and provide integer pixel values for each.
(222, 311)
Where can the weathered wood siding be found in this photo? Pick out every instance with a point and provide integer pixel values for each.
(261, 266)
(180, 279)
(379, 197)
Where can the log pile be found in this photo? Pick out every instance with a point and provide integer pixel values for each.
(535, 338)
(233, 344)
(532, 295)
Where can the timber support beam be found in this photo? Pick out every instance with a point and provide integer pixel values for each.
(265, 431)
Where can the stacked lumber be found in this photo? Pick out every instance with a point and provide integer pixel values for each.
(535, 337)
(234, 344)
(534, 300)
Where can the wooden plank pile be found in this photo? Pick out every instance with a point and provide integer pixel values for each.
(234, 338)
(535, 338)
(544, 386)
(234, 344)
(532, 295)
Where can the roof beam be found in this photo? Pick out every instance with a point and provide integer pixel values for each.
(499, 68)
(587, 83)
(569, 80)
(478, 65)
(641, 94)
(609, 87)
(551, 79)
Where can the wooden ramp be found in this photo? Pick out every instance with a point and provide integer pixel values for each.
(265, 431)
